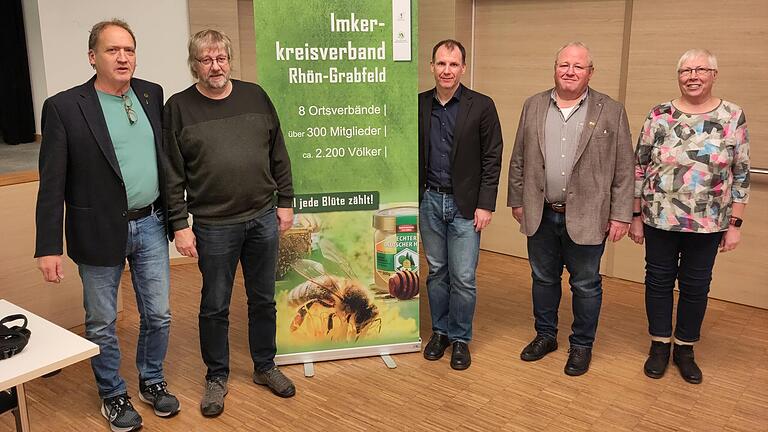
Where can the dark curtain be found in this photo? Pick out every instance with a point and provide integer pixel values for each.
(17, 118)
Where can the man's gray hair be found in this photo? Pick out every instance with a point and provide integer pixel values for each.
(99, 27)
(205, 39)
(574, 44)
(696, 52)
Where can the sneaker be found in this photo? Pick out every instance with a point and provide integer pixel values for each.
(164, 403)
(119, 411)
(280, 384)
(213, 399)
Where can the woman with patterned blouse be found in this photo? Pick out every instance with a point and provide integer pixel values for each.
(691, 187)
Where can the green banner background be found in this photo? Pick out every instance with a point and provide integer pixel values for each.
(344, 140)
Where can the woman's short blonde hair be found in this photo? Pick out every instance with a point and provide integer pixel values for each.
(696, 52)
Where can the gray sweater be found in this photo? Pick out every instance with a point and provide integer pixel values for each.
(227, 154)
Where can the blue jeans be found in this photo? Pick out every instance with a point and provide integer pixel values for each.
(549, 249)
(452, 248)
(147, 254)
(219, 248)
(688, 258)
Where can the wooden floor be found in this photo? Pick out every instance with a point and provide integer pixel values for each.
(499, 391)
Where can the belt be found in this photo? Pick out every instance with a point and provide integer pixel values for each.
(557, 207)
(440, 189)
(139, 213)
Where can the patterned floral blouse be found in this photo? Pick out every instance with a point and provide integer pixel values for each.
(691, 167)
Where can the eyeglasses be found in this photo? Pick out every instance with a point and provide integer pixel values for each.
(128, 104)
(685, 73)
(564, 67)
(208, 61)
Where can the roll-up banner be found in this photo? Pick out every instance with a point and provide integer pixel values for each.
(342, 75)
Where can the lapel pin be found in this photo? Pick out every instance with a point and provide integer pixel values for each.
(146, 98)
(592, 124)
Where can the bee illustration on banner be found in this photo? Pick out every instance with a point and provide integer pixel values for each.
(343, 305)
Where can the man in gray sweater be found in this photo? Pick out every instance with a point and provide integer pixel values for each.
(226, 151)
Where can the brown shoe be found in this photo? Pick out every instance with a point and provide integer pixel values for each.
(280, 384)
(213, 399)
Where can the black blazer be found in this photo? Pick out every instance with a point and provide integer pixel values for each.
(476, 153)
(78, 167)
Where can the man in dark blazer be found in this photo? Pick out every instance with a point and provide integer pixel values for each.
(99, 159)
(460, 148)
(570, 188)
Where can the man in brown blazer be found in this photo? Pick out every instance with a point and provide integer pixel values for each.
(570, 188)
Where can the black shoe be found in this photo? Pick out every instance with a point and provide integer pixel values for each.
(578, 361)
(460, 358)
(120, 414)
(682, 355)
(164, 403)
(658, 359)
(538, 348)
(436, 346)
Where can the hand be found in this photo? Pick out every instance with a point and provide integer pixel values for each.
(185, 242)
(285, 218)
(310, 222)
(730, 239)
(482, 219)
(636, 232)
(616, 230)
(517, 213)
(51, 268)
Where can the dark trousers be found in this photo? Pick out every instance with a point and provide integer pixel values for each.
(220, 247)
(549, 249)
(687, 258)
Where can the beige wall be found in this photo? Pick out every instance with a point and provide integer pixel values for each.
(635, 49)
(20, 281)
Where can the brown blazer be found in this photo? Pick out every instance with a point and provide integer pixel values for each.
(601, 183)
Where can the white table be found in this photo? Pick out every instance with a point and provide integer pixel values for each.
(50, 348)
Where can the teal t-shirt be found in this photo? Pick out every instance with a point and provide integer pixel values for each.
(134, 147)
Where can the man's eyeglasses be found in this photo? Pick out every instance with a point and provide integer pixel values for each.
(564, 67)
(208, 61)
(685, 73)
(128, 105)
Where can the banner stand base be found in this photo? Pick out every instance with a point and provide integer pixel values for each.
(309, 369)
(389, 361)
(346, 353)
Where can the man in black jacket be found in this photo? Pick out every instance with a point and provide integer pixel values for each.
(460, 148)
(99, 158)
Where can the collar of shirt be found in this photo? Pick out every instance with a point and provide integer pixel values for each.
(553, 97)
(456, 96)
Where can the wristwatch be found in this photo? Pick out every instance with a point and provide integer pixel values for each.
(735, 221)
(637, 214)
